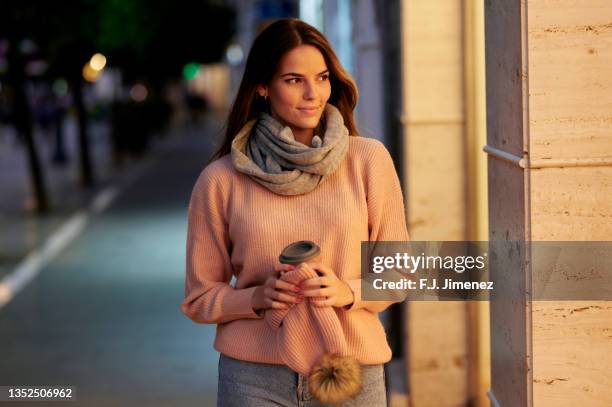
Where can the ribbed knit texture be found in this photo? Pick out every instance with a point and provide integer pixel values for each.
(237, 227)
(306, 326)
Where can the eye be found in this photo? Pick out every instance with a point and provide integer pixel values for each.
(292, 79)
(324, 77)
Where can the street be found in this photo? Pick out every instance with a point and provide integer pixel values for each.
(104, 314)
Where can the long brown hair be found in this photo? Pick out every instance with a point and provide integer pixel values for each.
(263, 60)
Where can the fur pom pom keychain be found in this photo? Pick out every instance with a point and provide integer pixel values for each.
(335, 379)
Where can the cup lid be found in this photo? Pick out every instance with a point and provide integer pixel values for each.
(299, 252)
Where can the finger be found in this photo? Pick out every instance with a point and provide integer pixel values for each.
(273, 282)
(311, 282)
(319, 292)
(286, 297)
(269, 303)
(285, 285)
(273, 293)
(318, 282)
(322, 269)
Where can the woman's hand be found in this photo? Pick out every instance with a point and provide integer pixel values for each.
(338, 293)
(275, 292)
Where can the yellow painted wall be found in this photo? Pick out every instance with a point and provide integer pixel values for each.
(445, 179)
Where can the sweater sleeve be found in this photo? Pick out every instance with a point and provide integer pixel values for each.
(209, 298)
(386, 215)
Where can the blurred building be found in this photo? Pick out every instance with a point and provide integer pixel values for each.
(252, 16)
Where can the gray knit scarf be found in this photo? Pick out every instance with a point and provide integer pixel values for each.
(270, 155)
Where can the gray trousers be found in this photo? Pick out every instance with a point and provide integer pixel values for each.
(248, 384)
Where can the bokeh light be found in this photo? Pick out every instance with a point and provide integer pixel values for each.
(191, 70)
(60, 87)
(234, 54)
(90, 74)
(139, 92)
(97, 62)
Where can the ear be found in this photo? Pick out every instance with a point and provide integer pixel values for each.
(262, 90)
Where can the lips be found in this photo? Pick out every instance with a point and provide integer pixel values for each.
(309, 110)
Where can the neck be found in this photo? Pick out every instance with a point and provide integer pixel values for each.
(304, 136)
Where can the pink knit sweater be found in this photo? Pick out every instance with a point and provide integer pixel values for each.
(237, 227)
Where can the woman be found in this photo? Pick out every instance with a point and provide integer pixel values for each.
(291, 168)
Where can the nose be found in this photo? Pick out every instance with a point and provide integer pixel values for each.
(309, 90)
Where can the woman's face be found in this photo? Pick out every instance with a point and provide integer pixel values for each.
(299, 89)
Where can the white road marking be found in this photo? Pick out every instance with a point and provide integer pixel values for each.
(38, 258)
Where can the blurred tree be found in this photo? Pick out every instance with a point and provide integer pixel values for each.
(64, 34)
(21, 116)
(149, 40)
(71, 33)
(17, 24)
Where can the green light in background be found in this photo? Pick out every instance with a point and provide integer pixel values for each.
(190, 71)
(60, 87)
